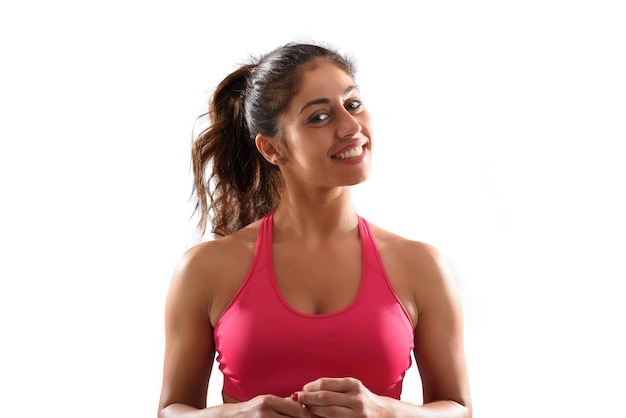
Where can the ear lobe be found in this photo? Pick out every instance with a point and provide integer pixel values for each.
(269, 150)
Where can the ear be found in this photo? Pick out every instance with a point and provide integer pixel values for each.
(269, 149)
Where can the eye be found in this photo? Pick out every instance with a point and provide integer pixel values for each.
(319, 117)
(353, 105)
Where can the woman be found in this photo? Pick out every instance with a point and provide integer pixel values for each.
(313, 311)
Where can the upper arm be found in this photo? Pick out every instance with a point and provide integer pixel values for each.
(439, 347)
(189, 345)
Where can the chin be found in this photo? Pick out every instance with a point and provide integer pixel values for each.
(359, 180)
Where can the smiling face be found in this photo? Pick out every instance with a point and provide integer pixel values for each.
(326, 131)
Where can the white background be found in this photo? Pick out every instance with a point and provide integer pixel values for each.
(500, 128)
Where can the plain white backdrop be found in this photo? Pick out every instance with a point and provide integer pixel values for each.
(499, 138)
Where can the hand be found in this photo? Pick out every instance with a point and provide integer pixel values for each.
(270, 406)
(343, 397)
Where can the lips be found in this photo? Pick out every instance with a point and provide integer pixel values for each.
(351, 151)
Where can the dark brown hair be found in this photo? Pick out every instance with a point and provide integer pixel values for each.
(234, 185)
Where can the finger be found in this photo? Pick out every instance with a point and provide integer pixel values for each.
(342, 384)
(280, 406)
(328, 411)
(293, 409)
(297, 410)
(322, 398)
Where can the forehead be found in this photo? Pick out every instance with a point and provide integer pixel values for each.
(324, 80)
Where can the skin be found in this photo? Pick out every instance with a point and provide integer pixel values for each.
(315, 224)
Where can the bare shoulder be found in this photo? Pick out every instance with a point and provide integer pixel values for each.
(220, 253)
(417, 271)
(211, 272)
(406, 251)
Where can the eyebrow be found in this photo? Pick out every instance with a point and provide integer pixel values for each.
(324, 100)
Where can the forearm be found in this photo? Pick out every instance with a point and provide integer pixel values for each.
(436, 409)
(186, 411)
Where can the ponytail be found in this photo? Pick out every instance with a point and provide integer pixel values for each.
(233, 183)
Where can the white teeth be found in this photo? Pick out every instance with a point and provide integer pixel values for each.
(354, 152)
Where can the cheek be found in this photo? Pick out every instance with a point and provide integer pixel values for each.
(365, 120)
(294, 148)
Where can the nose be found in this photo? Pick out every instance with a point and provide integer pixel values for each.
(347, 124)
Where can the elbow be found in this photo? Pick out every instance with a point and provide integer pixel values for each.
(465, 409)
(165, 411)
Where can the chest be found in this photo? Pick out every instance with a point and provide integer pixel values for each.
(318, 280)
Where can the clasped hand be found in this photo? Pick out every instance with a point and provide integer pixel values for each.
(339, 397)
(322, 398)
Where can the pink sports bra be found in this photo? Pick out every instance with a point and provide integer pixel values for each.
(265, 346)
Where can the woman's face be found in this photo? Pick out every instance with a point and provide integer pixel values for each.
(327, 130)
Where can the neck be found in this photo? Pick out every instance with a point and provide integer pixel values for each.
(314, 219)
